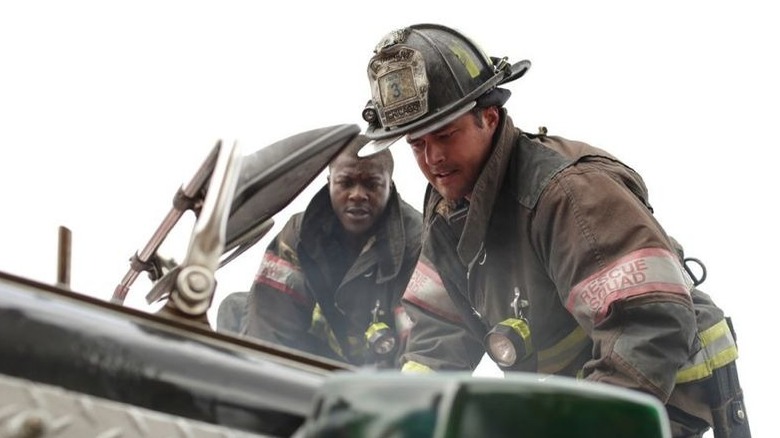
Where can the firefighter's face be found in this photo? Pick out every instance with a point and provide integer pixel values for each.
(451, 158)
(359, 191)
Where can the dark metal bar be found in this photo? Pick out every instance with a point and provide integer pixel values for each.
(63, 257)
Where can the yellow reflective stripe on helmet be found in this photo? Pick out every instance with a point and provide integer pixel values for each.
(464, 57)
(718, 349)
(415, 367)
(557, 357)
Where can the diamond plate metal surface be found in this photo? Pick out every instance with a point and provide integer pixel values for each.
(33, 410)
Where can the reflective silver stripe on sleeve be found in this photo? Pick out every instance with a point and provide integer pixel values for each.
(640, 272)
(403, 324)
(276, 272)
(426, 290)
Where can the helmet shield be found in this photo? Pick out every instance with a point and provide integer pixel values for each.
(399, 85)
(425, 76)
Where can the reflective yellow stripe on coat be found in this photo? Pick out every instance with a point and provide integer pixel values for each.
(559, 356)
(718, 348)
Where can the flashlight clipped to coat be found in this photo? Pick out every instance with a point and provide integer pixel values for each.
(510, 340)
(380, 338)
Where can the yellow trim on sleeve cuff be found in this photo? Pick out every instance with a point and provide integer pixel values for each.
(415, 367)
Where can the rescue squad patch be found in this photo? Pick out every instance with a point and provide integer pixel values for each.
(426, 290)
(276, 272)
(640, 272)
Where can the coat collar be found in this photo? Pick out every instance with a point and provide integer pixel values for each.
(385, 249)
(485, 191)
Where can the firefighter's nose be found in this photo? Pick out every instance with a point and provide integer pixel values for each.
(434, 153)
(358, 193)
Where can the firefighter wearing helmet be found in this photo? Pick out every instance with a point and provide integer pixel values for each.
(542, 252)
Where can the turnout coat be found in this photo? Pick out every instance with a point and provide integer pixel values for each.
(306, 297)
(561, 235)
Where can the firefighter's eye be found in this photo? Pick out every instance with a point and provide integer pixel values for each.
(445, 135)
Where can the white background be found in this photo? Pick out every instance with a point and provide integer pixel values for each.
(107, 107)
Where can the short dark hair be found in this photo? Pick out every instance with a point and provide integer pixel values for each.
(383, 158)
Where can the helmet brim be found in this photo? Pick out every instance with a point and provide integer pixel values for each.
(446, 115)
(376, 146)
(414, 135)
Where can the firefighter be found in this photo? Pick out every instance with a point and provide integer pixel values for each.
(539, 250)
(330, 283)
